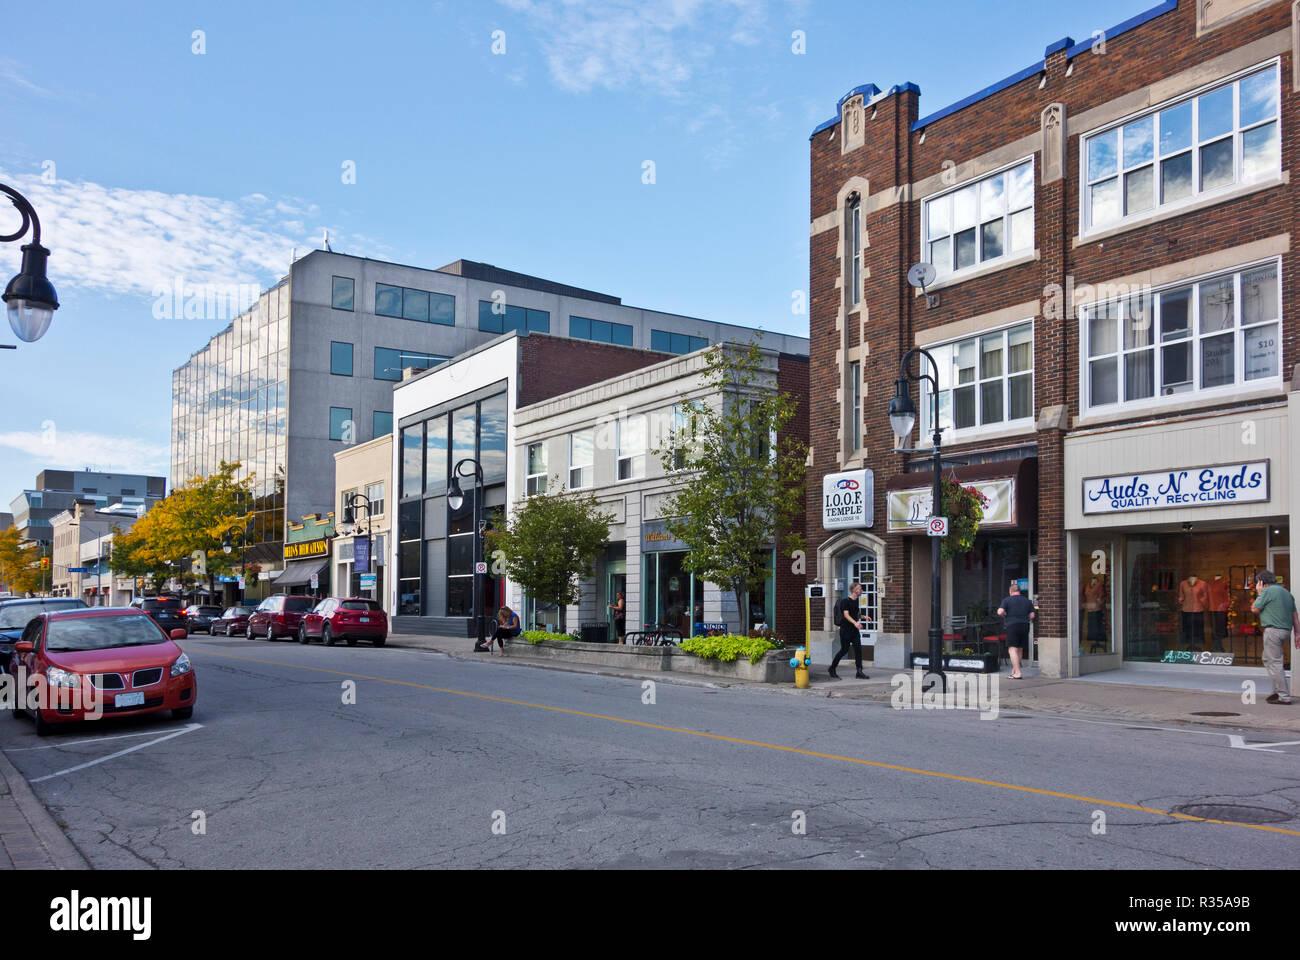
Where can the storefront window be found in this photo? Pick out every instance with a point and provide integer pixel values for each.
(435, 455)
(412, 442)
(982, 578)
(492, 438)
(1191, 592)
(1096, 603)
(672, 596)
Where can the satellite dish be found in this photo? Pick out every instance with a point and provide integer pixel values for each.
(921, 275)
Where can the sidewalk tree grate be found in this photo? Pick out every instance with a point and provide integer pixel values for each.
(1214, 713)
(1233, 812)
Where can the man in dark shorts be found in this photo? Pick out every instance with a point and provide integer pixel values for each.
(1017, 611)
(847, 619)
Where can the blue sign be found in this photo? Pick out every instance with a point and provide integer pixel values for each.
(1023, 582)
(361, 554)
(77, 569)
(368, 581)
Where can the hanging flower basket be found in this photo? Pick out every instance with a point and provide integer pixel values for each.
(964, 508)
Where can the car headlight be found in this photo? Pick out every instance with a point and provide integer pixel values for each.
(58, 677)
(182, 665)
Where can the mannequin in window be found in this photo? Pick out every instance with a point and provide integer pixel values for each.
(1094, 602)
(1193, 599)
(1220, 599)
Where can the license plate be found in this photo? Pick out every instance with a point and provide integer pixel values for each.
(129, 700)
(365, 619)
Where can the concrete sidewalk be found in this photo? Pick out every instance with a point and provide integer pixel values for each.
(29, 837)
(1127, 695)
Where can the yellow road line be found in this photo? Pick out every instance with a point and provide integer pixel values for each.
(767, 746)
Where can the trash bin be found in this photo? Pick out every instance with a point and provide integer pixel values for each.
(595, 633)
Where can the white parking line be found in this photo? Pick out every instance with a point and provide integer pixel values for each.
(1234, 740)
(73, 743)
(189, 727)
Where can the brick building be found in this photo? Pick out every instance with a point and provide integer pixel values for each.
(1110, 229)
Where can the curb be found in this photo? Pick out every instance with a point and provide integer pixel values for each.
(63, 854)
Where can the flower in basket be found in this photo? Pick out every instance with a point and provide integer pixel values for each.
(964, 507)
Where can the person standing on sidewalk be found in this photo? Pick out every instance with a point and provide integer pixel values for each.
(846, 618)
(1277, 613)
(1016, 611)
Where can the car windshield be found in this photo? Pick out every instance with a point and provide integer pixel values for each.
(297, 603)
(18, 615)
(99, 633)
(360, 605)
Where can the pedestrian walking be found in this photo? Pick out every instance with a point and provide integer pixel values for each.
(846, 618)
(1017, 611)
(1277, 614)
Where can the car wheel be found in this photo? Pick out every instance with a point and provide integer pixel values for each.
(326, 637)
(248, 632)
(43, 729)
(270, 632)
(302, 634)
(184, 713)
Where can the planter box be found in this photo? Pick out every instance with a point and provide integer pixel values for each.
(961, 662)
(773, 668)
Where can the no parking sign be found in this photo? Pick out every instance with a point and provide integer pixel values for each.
(938, 526)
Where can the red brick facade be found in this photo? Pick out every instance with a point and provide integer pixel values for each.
(550, 366)
(899, 164)
(792, 378)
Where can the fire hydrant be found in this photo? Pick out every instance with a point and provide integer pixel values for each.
(801, 660)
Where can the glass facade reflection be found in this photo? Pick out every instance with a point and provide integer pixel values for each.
(229, 404)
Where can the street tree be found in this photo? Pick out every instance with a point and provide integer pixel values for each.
(551, 544)
(741, 486)
(20, 567)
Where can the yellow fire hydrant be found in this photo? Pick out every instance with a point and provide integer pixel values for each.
(801, 661)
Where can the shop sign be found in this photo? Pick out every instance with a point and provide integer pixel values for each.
(655, 538)
(1209, 658)
(911, 509)
(1194, 487)
(368, 581)
(303, 549)
(361, 554)
(847, 499)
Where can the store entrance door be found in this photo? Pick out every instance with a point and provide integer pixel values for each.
(615, 583)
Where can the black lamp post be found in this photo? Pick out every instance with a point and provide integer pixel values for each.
(456, 500)
(227, 546)
(351, 504)
(902, 417)
(30, 296)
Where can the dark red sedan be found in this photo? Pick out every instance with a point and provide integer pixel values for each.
(101, 661)
(232, 621)
(347, 618)
(278, 616)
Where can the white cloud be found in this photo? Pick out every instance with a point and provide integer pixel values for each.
(11, 71)
(70, 449)
(122, 241)
(616, 44)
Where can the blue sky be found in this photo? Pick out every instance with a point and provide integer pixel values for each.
(213, 166)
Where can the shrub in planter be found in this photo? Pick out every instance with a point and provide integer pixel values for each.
(727, 648)
(537, 636)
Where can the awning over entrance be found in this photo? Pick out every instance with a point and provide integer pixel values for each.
(298, 573)
(1010, 485)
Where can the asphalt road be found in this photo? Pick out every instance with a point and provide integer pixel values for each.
(446, 763)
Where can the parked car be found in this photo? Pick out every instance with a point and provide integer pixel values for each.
(346, 618)
(233, 620)
(278, 616)
(169, 612)
(199, 618)
(16, 614)
(115, 658)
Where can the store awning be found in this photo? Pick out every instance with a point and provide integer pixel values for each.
(298, 573)
(1010, 485)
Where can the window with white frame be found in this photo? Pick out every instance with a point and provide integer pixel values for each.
(855, 247)
(982, 222)
(1213, 335)
(1181, 151)
(375, 494)
(536, 482)
(680, 434)
(855, 389)
(985, 382)
(631, 448)
(582, 446)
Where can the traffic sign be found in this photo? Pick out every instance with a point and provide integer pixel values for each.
(315, 581)
(938, 526)
(241, 583)
(480, 567)
(77, 569)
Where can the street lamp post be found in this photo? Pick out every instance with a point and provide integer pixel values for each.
(351, 504)
(227, 546)
(902, 417)
(455, 500)
(30, 296)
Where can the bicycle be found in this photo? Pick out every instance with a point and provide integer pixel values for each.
(656, 635)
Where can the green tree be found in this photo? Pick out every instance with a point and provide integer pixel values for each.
(20, 568)
(550, 545)
(739, 494)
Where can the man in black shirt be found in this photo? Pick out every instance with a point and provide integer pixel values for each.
(1017, 611)
(847, 619)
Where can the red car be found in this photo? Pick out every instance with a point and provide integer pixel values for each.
(349, 618)
(278, 616)
(117, 660)
(234, 620)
